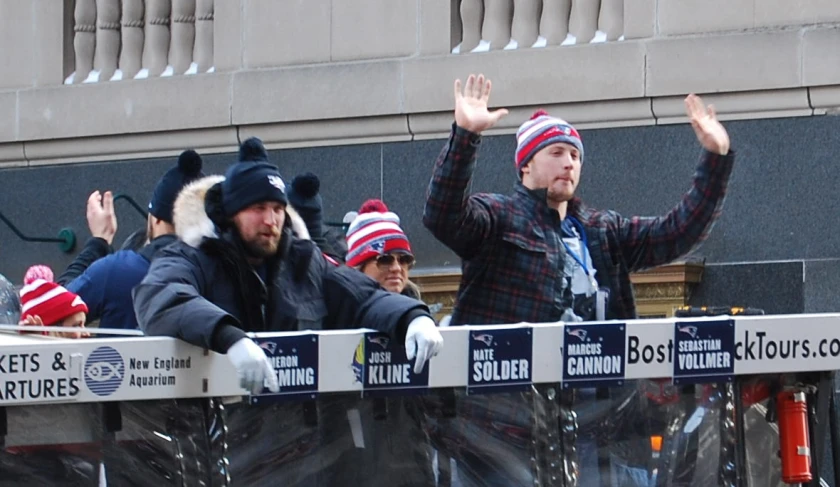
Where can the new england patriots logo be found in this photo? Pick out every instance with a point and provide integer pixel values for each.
(277, 182)
(578, 332)
(689, 329)
(377, 246)
(484, 338)
(358, 364)
(271, 347)
(379, 340)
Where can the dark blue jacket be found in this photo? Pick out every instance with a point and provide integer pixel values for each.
(106, 284)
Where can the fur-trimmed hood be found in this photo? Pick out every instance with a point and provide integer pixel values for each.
(192, 223)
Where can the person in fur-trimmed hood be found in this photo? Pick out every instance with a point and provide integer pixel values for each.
(239, 269)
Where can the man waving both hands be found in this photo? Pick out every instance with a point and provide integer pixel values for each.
(540, 254)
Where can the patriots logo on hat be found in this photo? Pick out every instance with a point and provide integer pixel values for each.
(277, 182)
(377, 246)
(567, 130)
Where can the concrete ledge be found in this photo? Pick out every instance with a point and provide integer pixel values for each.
(770, 13)
(594, 115)
(8, 116)
(704, 16)
(330, 132)
(124, 107)
(821, 56)
(530, 76)
(826, 100)
(415, 126)
(739, 106)
(317, 92)
(11, 155)
(754, 61)
(135, 146)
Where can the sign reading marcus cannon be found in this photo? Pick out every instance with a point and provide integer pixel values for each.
(593, 355)
(704, 351)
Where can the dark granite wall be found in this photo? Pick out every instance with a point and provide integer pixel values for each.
(774, 247)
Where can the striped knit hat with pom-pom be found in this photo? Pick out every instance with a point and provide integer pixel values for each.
(50, 301)
(36, 272)
(375, 231)
(541, 131)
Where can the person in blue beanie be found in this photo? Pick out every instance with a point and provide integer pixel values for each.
(103, 278)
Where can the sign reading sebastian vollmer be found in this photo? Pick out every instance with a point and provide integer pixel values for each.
(593, 355)
(704, 351)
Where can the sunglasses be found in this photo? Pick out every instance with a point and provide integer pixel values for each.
(387, 260)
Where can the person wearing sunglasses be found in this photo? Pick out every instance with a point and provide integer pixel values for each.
(377, 246)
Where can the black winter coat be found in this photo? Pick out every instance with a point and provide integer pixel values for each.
(203, 291)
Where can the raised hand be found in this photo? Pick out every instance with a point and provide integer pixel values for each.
(471, 111)
(102, 221)
(710, 133)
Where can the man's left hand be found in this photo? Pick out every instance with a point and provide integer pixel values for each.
(423, 340)
(708, 129)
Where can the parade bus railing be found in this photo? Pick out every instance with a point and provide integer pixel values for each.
(693, 401)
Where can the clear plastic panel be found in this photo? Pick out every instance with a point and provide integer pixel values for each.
(542, 436)
(51, 445)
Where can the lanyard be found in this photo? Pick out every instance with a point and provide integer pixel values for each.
(580, 259)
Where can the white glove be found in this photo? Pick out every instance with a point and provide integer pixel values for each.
(423, 340)
(252, 367)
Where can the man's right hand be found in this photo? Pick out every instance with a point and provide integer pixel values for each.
(252, 366)
(471, 111)
(102, 221)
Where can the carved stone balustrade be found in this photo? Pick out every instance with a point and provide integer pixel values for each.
(517, 24)
(124, 39)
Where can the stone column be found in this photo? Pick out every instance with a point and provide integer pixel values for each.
(107, 41)
(611, 20)
(583, 21)
(554, 24)
(133, 25)
(472, 15)
(526, 23)
(495, 33)
(84, 40)
(183, 35)
(203, 49)
(156, 46)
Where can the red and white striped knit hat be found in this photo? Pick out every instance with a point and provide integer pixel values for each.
(541, 131)
(374, 232)
(50, 301)
(38, 272)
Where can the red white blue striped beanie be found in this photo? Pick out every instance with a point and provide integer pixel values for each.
(374, 232)
(541, 131)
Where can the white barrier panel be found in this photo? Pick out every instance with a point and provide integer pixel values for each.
(482, 359)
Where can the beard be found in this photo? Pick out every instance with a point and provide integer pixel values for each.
(559, 196)
(262, 248)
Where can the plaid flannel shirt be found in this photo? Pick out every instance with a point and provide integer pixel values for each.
(511, 248)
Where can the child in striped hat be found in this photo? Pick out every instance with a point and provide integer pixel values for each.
(377, 246)
(45, 303)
